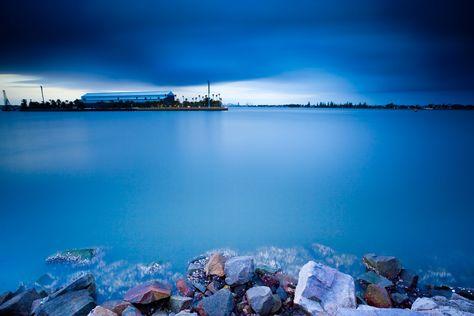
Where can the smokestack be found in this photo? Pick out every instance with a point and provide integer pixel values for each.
(42, 95)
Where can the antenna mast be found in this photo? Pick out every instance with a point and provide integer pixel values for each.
(6, 102)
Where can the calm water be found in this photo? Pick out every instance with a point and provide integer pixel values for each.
(168, 186)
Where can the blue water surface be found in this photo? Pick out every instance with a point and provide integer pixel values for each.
(167, 186)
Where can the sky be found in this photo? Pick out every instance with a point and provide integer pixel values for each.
(252, 51)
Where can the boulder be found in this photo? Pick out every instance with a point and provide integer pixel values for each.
(131, 311)
(268, 278)
(83, 282)
(183, 313)
(400, 300)
(19, 304)
(101, 311)
(147, 293)
(371, 277)
(5, 297)
(239, 270)
(260, 299)
(179, 303)
(117, 306)
(77, 303)
(219, 304)
(215, 285)
(387, 266)
(324, 289)
(76, 256)
(185, 288)
(408, 279)
(215, 265)
(377, 296)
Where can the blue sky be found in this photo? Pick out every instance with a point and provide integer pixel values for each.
(268, 51)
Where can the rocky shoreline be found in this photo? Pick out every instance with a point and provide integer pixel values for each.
(220, 283)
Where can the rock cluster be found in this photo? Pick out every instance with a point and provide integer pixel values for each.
(218, 285)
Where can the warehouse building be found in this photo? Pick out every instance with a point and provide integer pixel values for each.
(136, 97)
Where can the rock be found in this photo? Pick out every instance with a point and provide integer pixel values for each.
(185, 288)
(288, 283)
(5, 297)
(131, 311)
(276, 304)
(408, 279)
(260, 299)
(117, 306)
(216, 285)
(281, 293)
(77, 303)
(371, 277)
(324, 289)
(101, 311)
(19, 304)
(147, 293)
(219, 304)
(387, 266)
(178, 303)
(83, 282)
(364, 310)
(76, 256)
(267, 278)
(377, 296)
(183, 313)
(215, 265)
(239, 270)
(439, 305)
(400, 300)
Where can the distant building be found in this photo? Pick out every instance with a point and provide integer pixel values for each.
(136, 97)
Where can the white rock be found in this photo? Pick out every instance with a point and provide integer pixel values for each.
(324, 289)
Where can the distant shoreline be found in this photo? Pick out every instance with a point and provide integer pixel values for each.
(138, 109)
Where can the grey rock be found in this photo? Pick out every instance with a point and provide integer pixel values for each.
(239, 270)
(323, 289)
(179, 303)
(399, 298)
(77, 303)
(371, 277)
(424, 304)
(365, 310)
(101, 311)
(387, 266)
(117, 306)
(19, 304)
(183, 313)
(260, 299)
(439, 305)
(408, 279)
(276, 304)
(219, 304)
(5, 297)
(131, 311)
(73, 256)
(83, 282)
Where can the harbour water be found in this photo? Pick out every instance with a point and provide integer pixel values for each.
(167, 186)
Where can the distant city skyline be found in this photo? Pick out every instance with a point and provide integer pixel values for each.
(265, 52)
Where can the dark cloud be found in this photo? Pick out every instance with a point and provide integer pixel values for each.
(377, 45)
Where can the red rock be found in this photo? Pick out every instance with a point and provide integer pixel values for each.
(147, 293)
(377, 296)
(116, 306)
(215, 265)
(185, 288)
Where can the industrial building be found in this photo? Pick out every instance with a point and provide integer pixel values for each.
(136, 97)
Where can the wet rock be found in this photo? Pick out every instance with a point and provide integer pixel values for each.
(219, 304)
(288, 283)
(387, 266)
(77, 256)
(147, 293)
(184, 313)
(267, 278)
(19, 304)
(215, 285)
(281, 293)
(83, 282)
(371, 277)
(377, 296)
(215, 265)
(185, 288)
(239, 270)
(117, 306)
(400, 300)
(323, 289)
(179, 303)
(260, 299)
(276, 304)
(408, 279)
(423, 304)
(101, 311)
(131, 311)
(77, 303)
(439, 305)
